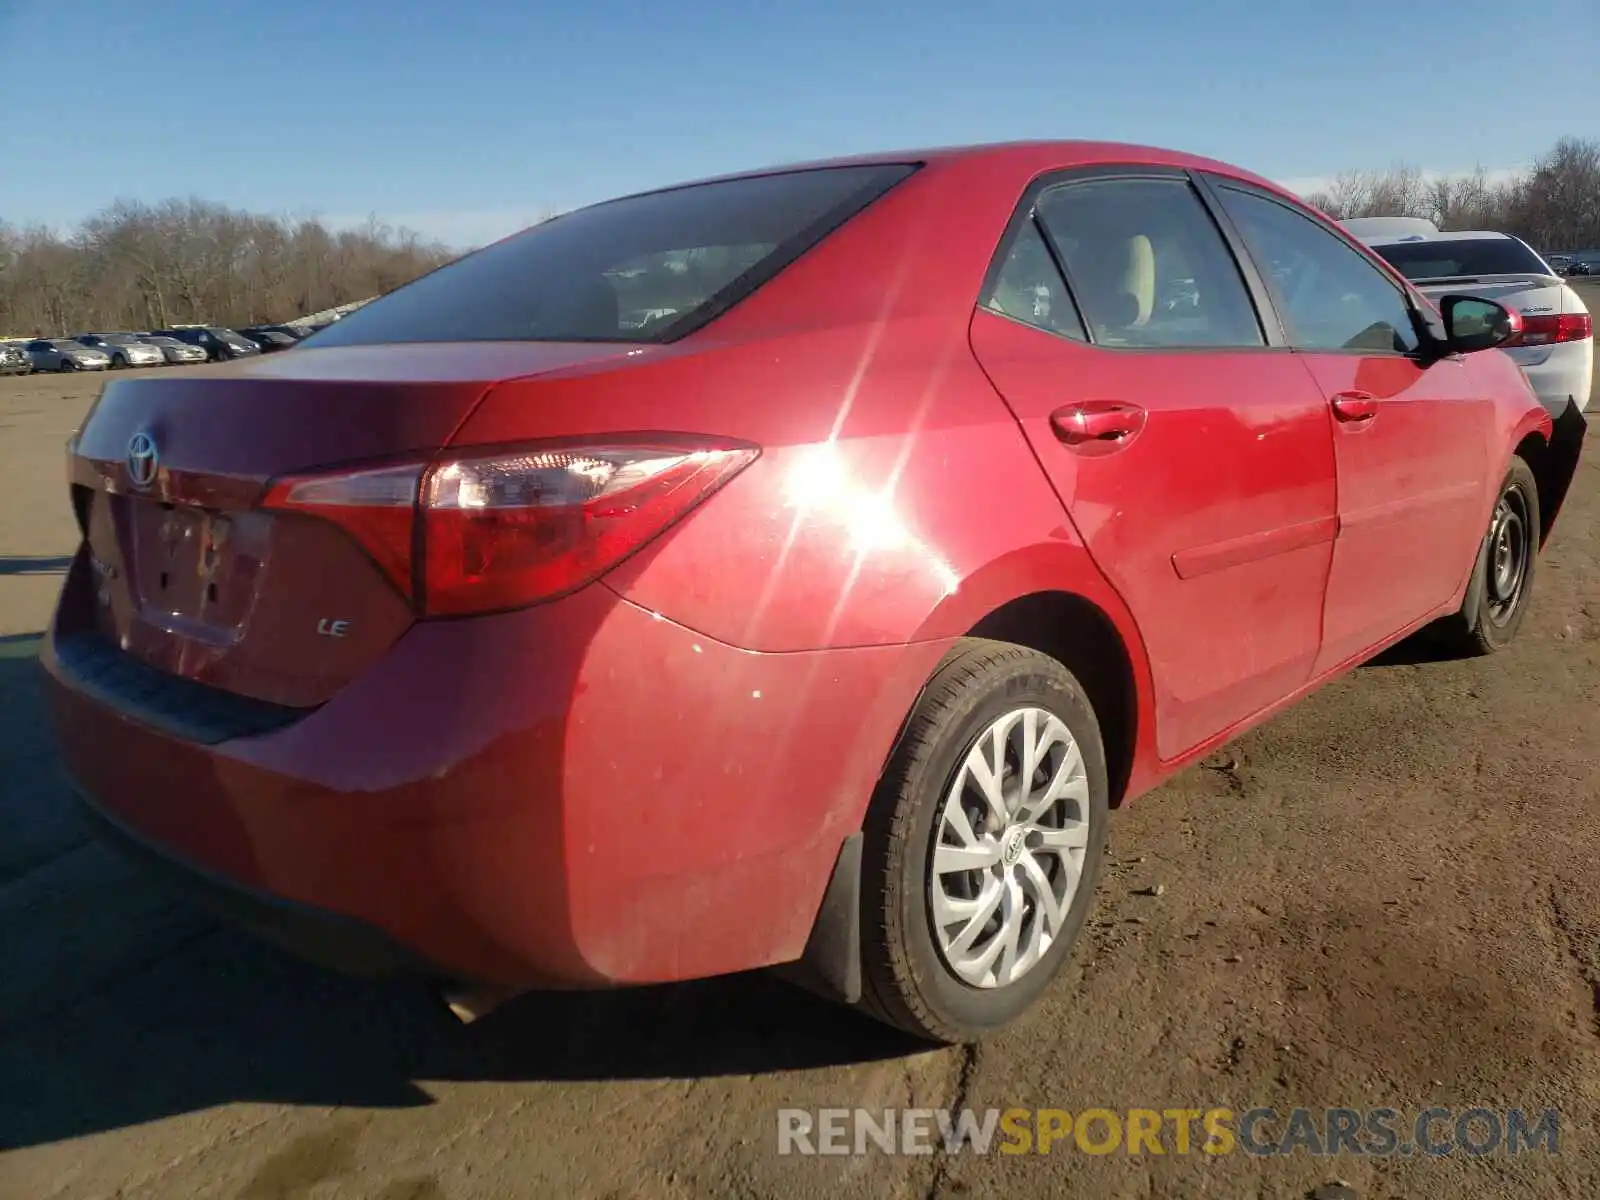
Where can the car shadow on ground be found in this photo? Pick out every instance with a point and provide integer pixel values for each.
(13, 564)
(120, 1003)
(1418, 650)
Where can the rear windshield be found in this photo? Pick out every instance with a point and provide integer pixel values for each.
(1463, 258)
(646, 268)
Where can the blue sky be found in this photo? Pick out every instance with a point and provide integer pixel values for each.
(466, 120)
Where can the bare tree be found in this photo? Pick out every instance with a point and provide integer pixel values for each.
(142, 266)
(1555, 205)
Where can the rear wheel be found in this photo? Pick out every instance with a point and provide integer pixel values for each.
(983, 842)
(1502, 581)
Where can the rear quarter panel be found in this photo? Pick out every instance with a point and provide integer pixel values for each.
(1517, 415)
(892, 476)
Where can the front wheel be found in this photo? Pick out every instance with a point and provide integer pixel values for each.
(1502, 580)
(983, 842)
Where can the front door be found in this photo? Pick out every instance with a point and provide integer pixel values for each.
(1194, 458)
(1411, 437)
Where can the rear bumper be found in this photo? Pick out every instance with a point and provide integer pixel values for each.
(1565, 376)
(1558, 465)
(578, 794)
(316, 935)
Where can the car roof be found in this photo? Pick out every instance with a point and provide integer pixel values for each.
(1024, 158)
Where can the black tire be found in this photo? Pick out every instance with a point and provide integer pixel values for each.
(118, 362)
(906, 979)
(1493, 609)
(65, 365)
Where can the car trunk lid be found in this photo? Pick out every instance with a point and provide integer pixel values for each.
(1529, 293)
(187, 572)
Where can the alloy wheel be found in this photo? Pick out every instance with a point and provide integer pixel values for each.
(1008, 854)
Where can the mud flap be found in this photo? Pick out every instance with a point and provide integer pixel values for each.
(830, 967)
(1558, 464)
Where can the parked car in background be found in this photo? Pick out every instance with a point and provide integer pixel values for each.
(1578, 267)
(817, 622)
(14, 360)
(1390, 228)
(1556, 346)
(125, 349)
(219, 344)
(177, 353)
(64, 354)
(297, 332)
(270, 340)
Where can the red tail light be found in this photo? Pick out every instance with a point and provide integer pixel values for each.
(1546, 330)
(489, 531)
(375, 507)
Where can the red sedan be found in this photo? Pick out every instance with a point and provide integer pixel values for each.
(784, 570)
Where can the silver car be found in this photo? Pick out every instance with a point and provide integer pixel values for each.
(64, 354)
(177, 353)
(124, 349)
(14, 359)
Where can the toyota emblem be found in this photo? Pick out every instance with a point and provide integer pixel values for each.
(143, 460)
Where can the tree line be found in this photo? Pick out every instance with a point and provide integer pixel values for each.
(150, 266)
(1554, 205)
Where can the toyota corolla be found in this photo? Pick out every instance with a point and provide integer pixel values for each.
(783, 570)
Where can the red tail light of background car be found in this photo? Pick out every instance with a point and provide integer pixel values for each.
(512, 527)
(1546, 330)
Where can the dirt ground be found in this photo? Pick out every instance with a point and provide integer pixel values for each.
(1384, 898)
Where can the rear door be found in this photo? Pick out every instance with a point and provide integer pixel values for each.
(1411, 433)
(1192, 452)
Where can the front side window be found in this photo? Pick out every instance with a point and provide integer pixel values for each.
(645, 268)
(1332, 297)
(1148, 265)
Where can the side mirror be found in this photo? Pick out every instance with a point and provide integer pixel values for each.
(1472, 323)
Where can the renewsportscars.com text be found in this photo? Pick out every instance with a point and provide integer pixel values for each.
(1374, 1132)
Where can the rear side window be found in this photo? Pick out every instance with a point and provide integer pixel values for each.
(1148, 265)
(1028, 287)
(1462, 258)
(647, 268)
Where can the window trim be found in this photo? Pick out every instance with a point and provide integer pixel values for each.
(1268, 319)
(1214, 185)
